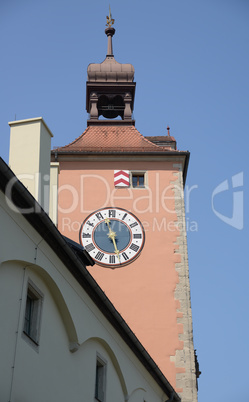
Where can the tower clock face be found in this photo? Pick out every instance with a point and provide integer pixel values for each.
(112, 236)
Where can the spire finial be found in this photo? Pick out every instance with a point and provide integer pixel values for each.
(109, 20)
(168, 128)
(110, 31)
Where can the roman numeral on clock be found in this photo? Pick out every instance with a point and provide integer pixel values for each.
(112, 259)
(125, 215)
(125, 256)
(137, 236)
(99, 216)
(90, 247)
(99, 256)
(86, 235)
(134, 247)
(133, 225)
(112, 213)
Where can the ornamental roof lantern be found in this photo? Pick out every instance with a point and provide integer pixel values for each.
(110, 88)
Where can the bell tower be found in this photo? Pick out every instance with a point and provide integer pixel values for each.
(121, 195)
(110, 89)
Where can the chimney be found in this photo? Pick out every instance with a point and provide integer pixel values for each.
(29, 157)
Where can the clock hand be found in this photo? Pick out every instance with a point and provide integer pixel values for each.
(112, 236)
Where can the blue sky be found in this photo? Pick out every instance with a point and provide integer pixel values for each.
(191, 62)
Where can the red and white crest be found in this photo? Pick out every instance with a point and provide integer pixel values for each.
(121, 178)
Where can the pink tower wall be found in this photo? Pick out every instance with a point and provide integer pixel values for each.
(143, 291)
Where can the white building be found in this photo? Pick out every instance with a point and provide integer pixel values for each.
(61, 338)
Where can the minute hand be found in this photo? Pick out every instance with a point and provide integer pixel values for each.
(112, 236)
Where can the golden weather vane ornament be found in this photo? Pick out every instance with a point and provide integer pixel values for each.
(109, 19)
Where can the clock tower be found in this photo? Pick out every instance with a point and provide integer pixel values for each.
(120, 195)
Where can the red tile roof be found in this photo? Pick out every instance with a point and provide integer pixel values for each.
(166, 138)
(111, 139)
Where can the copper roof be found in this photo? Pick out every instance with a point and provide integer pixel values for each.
(110, 71)
(111, 139)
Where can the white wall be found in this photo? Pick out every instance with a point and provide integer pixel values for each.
(52, 372)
